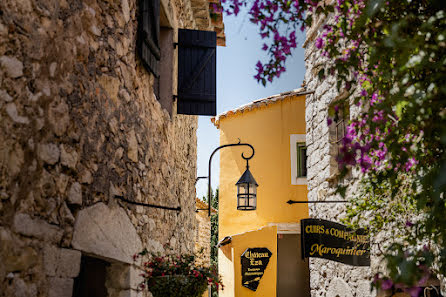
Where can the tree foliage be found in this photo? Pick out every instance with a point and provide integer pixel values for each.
(390, 58)
(214, 233)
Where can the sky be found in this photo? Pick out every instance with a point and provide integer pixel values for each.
(236, 86)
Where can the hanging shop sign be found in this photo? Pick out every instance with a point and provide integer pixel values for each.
(334, 241)
(254, 262)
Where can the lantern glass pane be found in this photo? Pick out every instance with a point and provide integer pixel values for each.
(243, 188)
(242, 201)
(252, 202)
(252, 189)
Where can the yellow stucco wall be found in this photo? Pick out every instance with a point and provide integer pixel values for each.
(268, 129)
(230, 262)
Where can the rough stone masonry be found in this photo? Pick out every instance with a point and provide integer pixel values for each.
(327, 278)
(79, 124)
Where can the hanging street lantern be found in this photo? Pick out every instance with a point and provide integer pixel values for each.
(246, 186)
(247, 190)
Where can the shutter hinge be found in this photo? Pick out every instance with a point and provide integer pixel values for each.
(175, 97)
(175, 44)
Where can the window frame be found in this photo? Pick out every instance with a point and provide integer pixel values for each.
(300, 146)
(297, 140)
(339, 123)
(148, 36)
(162, 38)
(336, 133)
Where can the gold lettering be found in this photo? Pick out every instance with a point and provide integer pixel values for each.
(317, 229)
(314, 249)
(255, 263)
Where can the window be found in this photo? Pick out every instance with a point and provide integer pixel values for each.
(340, 119)
(155, 48)
(301, 160)
(164, 82)
(298, 157)
(195, 60)
(340, 113)
(148, 35)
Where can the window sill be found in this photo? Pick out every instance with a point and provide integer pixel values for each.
(300, 181)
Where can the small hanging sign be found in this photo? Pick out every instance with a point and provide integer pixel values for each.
(254, 262)
(334, 241)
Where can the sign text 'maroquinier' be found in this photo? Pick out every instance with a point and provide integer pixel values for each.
(334, 241)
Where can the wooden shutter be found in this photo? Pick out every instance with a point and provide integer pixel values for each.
(197, 82)
(148, 34)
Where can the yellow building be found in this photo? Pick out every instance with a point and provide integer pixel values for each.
(275, 127)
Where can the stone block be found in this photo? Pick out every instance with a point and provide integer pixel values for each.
(48, 152)
(155, 246)
(59, 262)
(124, 276)
(106, 232)
(125, 10)
(25, 225)
(339, 288)
(58, 117)
(364, 289)
(129, 293)
(23, 289)
(60, 287)
(12, 66)
(110, 85)
(16, 159)
(11, 110)
(75, 194)
(5, 96)
(65, 214)
(61, 182)
(68, 157)
(132, 151)
(14, 256)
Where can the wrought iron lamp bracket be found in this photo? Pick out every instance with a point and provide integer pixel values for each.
(239, 143)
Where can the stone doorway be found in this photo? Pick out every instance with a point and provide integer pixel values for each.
(108, 240)
(91, 279)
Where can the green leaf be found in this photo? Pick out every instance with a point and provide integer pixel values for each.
(400, 107)
(373, 7)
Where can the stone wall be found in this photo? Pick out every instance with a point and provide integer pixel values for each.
(203, 236)
(203, 233)
(327, 278)
(79, 124)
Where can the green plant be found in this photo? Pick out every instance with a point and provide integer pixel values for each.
(214, 235)
(177, 275)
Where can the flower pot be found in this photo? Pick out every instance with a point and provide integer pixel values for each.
(177, 286)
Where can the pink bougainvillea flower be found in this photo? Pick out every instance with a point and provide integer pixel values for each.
(387, 284)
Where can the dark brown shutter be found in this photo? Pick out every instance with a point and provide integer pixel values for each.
(197, 82)
(148, 34)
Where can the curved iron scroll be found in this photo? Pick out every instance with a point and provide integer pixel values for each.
(239, 143)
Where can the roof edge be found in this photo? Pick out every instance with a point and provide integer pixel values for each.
(259, 103)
